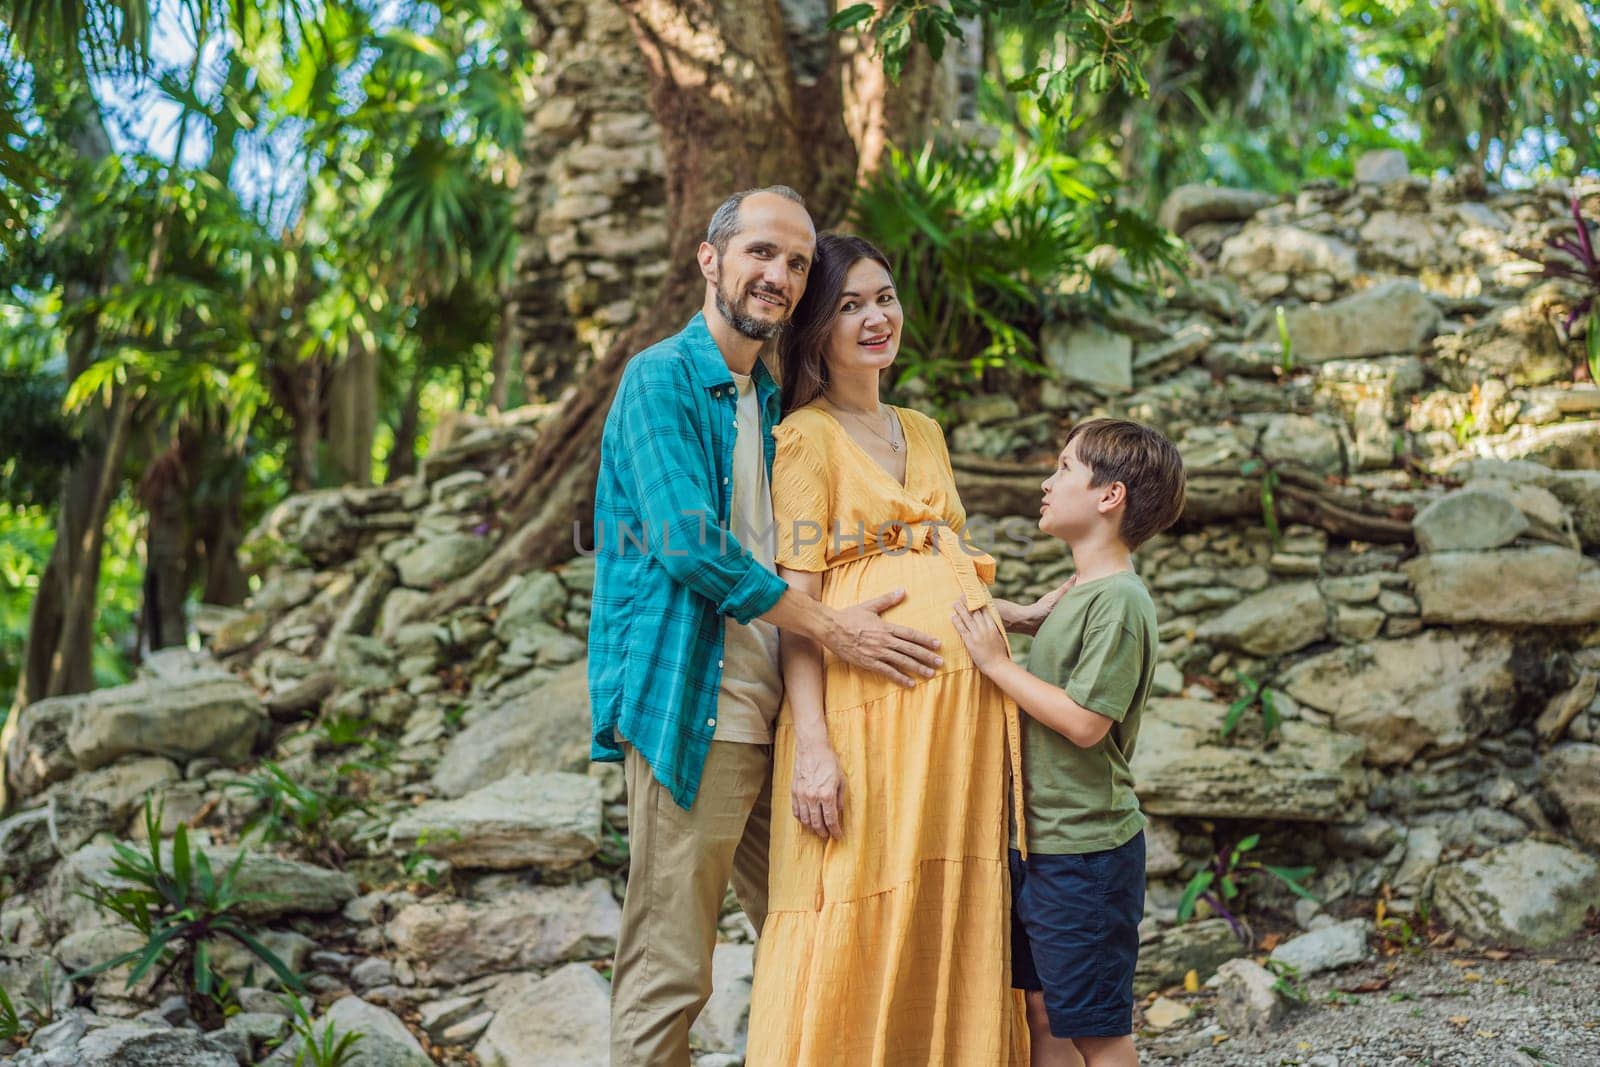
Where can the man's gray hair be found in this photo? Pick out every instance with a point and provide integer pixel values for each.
(725, 220)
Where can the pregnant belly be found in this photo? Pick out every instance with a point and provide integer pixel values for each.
(932, 584)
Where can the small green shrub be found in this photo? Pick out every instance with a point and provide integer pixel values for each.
(320, 1048)
(10, 1023)
(1255, 694)
(1219, 884)
(986, 246)
(295, 812)
(182, 909)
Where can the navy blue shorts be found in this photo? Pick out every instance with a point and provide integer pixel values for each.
(1075, 934)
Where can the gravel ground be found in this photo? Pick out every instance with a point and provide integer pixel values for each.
(1447, 1009)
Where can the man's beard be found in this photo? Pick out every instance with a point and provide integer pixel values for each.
(752, 327)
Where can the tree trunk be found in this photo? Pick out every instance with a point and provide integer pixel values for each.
(353, 417)
(303, 401)
(929, 93)
(57, 658)
(403, 456)
(163, 622)
(742, 98)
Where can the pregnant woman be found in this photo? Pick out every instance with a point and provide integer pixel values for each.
(887, 937)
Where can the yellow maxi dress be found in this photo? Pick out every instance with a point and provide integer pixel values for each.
(891, 945)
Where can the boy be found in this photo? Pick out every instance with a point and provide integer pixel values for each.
(1078, 897)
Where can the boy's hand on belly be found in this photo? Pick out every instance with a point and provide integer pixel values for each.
(817, 796)
(984, 641)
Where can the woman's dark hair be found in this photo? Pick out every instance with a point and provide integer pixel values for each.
(804, 374)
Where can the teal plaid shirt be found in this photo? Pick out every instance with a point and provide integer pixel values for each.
(665, 572)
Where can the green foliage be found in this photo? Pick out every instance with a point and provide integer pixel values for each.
(182, 909)
(984, 246)
(1287, 982)
(1105, 44)
(10, 1023)
(1221, 883)
(1285, 343)
(1269, 494)
(1493, 74)
(1399, 934)
(1270, 93)
(1574, 259)
(1255, 695)
(324, 1047)
(36, 443)
(296, 812)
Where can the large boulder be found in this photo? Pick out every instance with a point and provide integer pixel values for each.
(25, 844)
(1544, 585)
(1468, 520)
(1197, 946)
(1327, 948)
(1580, 492)
(562, 1020)
(1267, 260)
(522, 820)
(1435, 691)
(525, 732)
(456, 940)
(441, 559)
(1388, 319)
(1530, 894)
(207, 712)
(537, 598)
(1302, 441)
(1279, 619)
(1517, 344)
(1249, 1005)
(36, 750)
(1190, 204)
(1571, 774)
(124, 1045)
(1089, 354)
(1183, 769)
(724, 1022)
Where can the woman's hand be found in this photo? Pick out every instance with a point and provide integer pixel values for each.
(984, 641)
(817, 796)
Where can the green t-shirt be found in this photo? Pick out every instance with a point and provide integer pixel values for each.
(1099, 644)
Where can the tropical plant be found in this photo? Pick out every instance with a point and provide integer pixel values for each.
(1258, 464)
(320, 1048)
(1398, 933)
(1254, 695)
(1574, 258)
(984, 246)
(1105, 43)
(296, 812)
(1219, 884)
(10, 1022)
(182, 909)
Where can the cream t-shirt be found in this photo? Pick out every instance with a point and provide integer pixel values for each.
(752, 684)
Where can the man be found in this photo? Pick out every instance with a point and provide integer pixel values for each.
(683, 662)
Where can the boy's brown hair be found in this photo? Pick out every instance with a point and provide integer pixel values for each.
(1146, 463)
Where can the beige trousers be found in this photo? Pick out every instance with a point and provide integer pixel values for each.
(679, 866)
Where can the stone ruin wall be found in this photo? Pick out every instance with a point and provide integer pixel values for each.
(1441, 741)
(591, 202)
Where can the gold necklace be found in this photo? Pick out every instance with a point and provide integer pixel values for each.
(893, 422)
